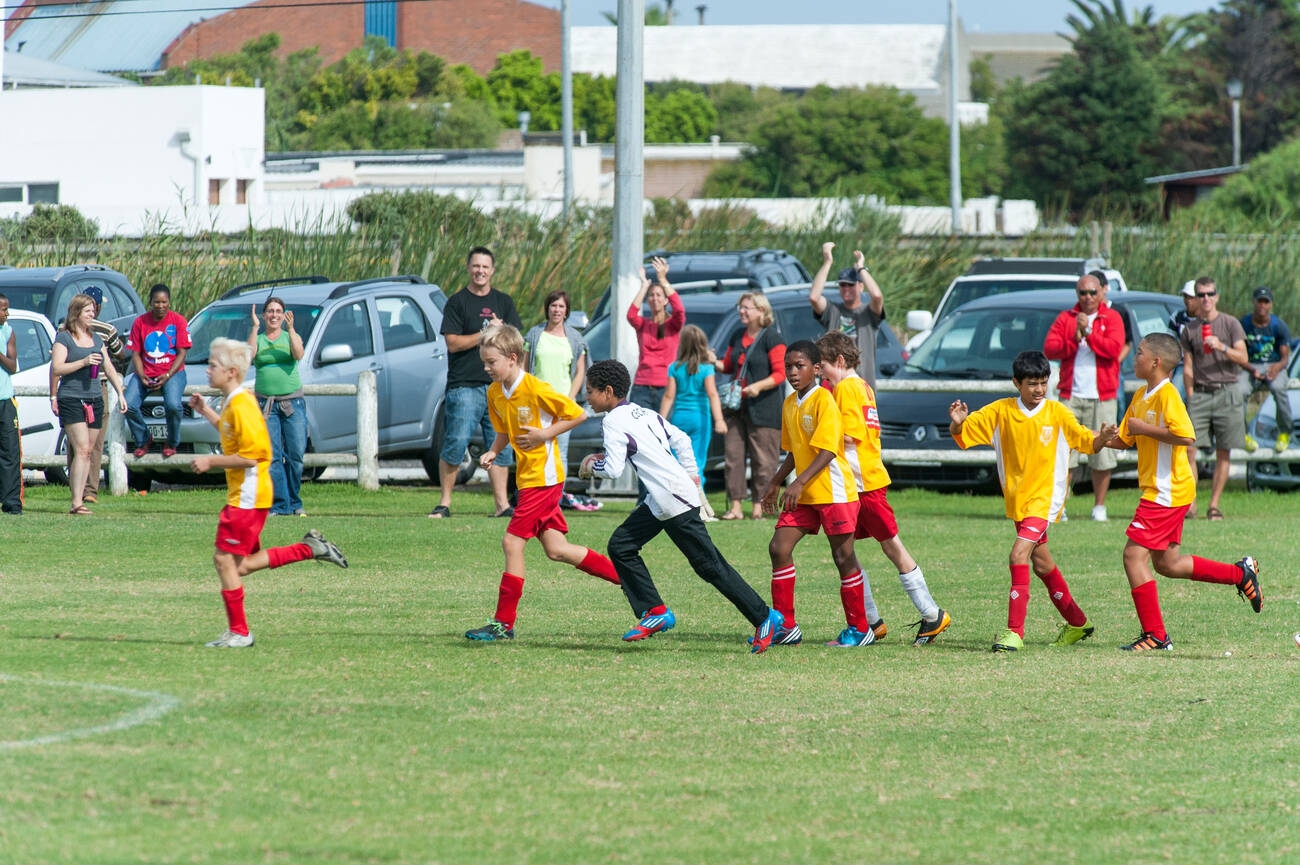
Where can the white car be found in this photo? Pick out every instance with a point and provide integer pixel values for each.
(42, 435)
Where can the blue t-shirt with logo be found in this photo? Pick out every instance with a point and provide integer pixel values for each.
(1264, 344)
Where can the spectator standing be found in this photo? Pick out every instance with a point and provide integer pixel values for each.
(1190, 309)
(278, 387)
(1088, 340)
(691, 401)
(467, 314)
(1268, 348)
(851, 316)
(756, 357)
(158, 341)
(555, 352)
(656, 336)
(11, 445)
(1213, 355)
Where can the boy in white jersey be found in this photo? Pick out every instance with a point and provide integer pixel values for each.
(1033, 437)
(1157, 421)
(672, 504)
(857, 404)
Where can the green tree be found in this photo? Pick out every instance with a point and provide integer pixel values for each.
(1264, 197)
(518, 83)
(681, 114)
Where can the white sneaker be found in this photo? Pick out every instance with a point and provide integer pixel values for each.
(323, 549)
(1099, 513)
(231, 640)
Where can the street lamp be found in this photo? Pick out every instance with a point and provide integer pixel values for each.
(1234, 93)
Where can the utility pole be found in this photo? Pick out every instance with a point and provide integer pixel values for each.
(954, 127)
(566, 109)
(629, 181)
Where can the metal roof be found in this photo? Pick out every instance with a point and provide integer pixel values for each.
(21, 70)
(1203, 174)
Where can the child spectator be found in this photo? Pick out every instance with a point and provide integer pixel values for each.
(822, 495)
(637, 435)
(1033, 437)
(246, 457)
(857, 404)
(528, 415)
(691, 401)
(1158, 422)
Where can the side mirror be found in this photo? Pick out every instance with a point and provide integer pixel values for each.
(920, 319)
(579, 319)
(337, 353)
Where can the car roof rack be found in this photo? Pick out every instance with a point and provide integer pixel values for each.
(412, 278)
(1070, 266)
(315, 279)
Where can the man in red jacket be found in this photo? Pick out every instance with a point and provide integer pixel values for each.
(1088, 340)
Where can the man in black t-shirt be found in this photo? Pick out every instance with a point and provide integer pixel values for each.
(476, 306)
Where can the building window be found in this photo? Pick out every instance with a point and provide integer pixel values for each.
(214, 191)
(42, 193)
(241, 191)
(381, 20)
(11, 194)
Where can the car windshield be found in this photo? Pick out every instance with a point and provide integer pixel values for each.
(234, 322)
(981, 343)
(597, 336)
(967, 290)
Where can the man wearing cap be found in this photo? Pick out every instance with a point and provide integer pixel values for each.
(1187, 314)
(1088, 340)
(1268, 348)
(850, 316)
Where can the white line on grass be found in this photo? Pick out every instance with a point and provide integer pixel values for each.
(159, 704)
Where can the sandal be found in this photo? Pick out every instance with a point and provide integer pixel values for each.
(81, 511)
(730, 516)
(1214, 514)
(91, 499)
(441, 512)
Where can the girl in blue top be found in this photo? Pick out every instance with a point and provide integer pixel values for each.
(690, 400)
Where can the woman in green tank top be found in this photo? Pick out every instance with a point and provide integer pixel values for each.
(276, 353)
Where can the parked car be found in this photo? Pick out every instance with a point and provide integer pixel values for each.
(39, 425)
(47, 290)
(388, 325)
(978, 341)
(990, 276)
(1282, 476)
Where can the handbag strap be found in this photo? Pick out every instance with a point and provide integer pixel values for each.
(744, 367)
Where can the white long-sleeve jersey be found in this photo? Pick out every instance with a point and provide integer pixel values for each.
(642, 436)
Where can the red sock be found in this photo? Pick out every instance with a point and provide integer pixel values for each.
(851, 597)
(658, 610)
(599, 566)
(508, 595)
(783, 593)
(1209, 571)
(1146, 598)
(1019, 603)
(1059, 592)
(234, 601)
(278, 557)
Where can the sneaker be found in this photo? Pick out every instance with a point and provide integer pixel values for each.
(1248, 588)
(764, 633)
(1251, 444)
(878, 628)
(492, 631)
(299, 513)
(1099, 513)
(1283, 441)
(1008, 641)
(651, 624)
(1147, 642)
(928, 630)
(323, 549)
(1071, 634)
(231, 640)
(851, 637)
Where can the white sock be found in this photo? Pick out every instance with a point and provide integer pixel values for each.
(914, 583)
(868, 602)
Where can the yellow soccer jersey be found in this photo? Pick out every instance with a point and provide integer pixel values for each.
(243, 433)
(811, 425)
(857, 404)
(1033, 451)
(531, 402)
(1163, 471)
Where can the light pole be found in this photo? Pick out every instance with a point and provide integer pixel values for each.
(1234, 93)
(954, 127)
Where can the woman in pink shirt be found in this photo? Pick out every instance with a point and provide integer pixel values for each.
(657, 336)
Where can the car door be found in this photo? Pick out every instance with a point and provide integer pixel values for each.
(414, 361)
(36, 420)
(345, 348)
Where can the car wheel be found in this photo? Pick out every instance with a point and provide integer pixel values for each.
(1252, 480)
(139, 481)
(58, 475)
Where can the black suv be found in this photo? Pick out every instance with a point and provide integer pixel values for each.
(47, 290)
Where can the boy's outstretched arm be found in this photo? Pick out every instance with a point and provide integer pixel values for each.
(1159, 432)
(1106, 437)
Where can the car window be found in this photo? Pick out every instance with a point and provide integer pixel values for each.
(350, 325)
(111, 309)
(26, 297)
(982, 343)
(439, 299)
(124, 300)
(32, 342)
(401, 322)
(59, 309)
(965, 291)
(234, 321)
(1150, 317)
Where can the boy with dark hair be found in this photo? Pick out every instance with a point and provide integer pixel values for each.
(823, 495)
(1033, 437)
(672, 504)
(1158, 423)
(528, 414)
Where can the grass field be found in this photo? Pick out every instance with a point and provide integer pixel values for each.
(363, 727)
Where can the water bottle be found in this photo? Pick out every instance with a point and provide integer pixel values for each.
(1205, 337)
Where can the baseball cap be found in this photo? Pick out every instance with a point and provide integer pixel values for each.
(1263, 293)
(849, 274)
(96, 294)
(1189, 288)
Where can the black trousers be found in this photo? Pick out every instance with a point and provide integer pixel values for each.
(687, 531)
(11, 458)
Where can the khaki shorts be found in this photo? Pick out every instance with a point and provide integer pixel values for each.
(1219, 417)
(1093, 413)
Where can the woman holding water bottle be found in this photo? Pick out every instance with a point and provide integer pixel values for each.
(78, 358)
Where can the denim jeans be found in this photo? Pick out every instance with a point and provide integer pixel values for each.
(288, 442)
(173, 401)
(464, 409)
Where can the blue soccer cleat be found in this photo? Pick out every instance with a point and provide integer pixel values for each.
(651, 624)
(764, 633)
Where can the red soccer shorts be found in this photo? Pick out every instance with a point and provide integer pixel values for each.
(1157, 527)
(536, 510)
(1032, 529)
(838, 518)
(875, 516)
(239, 530)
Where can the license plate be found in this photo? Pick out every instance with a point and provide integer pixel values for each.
(158, 431)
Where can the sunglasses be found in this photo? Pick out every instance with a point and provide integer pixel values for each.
(1205, 294)
(1083, 293)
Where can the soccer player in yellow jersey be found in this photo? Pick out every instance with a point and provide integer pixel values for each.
(823, 495)
(1157, 421)
(528, 415)
(246, 457)
(1033, 437)
(857, 404)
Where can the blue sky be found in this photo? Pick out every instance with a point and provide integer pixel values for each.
(988, 16)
